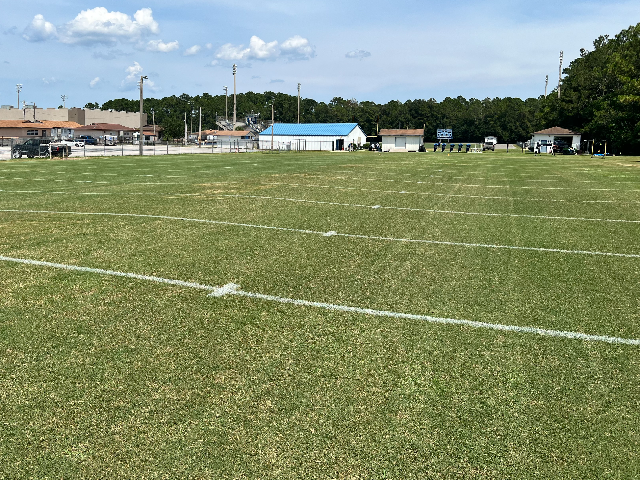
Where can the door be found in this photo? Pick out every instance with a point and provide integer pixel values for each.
(401, 142)
(340, 144)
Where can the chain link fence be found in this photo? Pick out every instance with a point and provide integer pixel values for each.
(40, 147)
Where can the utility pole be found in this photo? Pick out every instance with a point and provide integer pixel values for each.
(64, 101)
(298, 103)
(273, 125)
(560, 74)
(235, 68)
(200, 128)
(153, 115)
(141, 139)
(19, 89)
(185, 129)
(546, 84)
(226, 104)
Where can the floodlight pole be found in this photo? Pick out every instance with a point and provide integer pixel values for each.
(185, 129)
(226, 104)
(141, 139)
(546, 84)
(235, 68)
(200, 129)
(298, 103)
(560, 73)
(64, 101)
(18, 89)
(272, 126)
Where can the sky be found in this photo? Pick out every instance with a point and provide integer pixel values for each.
(367, 50)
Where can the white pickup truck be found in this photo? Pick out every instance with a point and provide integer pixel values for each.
(490, 143)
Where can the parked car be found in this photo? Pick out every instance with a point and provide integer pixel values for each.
(87, 139)
(40, 147)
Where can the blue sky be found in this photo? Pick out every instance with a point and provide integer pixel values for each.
(368, 50)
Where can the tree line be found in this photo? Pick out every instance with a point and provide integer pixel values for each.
(600, 97)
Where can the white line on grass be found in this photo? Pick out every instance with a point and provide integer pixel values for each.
(490, 197)
(233, 289)
(336, 234)
(430, 210)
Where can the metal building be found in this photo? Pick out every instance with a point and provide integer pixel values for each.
(311, 136)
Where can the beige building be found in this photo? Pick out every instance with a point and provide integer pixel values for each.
(45, 128)
(78, 115)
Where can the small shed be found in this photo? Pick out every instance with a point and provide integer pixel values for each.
(311, 136)
(554, 134)
(398, 140)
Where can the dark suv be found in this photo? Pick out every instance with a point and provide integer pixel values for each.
(87, 139)
(39, 147)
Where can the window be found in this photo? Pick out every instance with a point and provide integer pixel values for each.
(32, 132)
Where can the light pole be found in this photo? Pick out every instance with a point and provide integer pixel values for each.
(235, 68)
(141, 139)
(226, 104)
(153, 115)
(298, 103)
(19, 89)
(560, 73)
(546, 84)
(200, 128)
(273, 125)
(185, 129)
(64, 101)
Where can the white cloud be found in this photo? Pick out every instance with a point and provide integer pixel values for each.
(360, 54)
(133, 78)
(209, 46)
(295, 47)
(160, 46)
(39, 30)
(298, 47)
(192, 50)
(94, 82)
(48, 81)
(98, 25)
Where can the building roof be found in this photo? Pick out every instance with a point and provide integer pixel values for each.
(312, 129)
(398, 132)
(227, 133)
(38, 124)
(556, 131)
(107, 126)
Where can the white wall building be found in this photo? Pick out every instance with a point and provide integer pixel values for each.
(312, 136)
(398, 140)
(550, 135)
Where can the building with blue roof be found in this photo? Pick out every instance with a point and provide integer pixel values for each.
(311, 136)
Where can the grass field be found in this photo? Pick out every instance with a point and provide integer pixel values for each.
(104, 374)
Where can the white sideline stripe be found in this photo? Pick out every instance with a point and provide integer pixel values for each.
(233, 289)
(430, 210)
(337, 234)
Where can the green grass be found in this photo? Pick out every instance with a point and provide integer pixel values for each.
(104, 377)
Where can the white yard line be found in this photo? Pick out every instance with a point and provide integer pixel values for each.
(495, 197)
(334, 233)
(430, 210)
(233, 289)
(451, 184)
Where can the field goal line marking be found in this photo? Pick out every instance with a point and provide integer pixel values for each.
(234, 289)
(333, 233)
